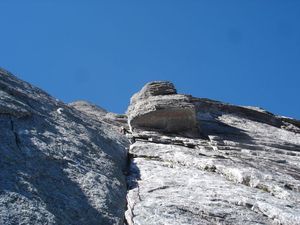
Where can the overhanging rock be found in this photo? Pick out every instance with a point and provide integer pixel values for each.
(157, 106)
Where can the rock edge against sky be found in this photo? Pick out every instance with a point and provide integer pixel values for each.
(180, 160)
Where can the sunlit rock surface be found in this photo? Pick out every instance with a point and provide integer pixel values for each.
(243, 170)
(192, 161)
(158, 107)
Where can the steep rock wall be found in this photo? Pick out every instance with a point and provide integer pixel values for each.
(244, 169)
(58, 165)
(192, 161)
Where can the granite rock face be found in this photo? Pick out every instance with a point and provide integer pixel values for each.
(58, 165)
(243, 170)
(191, 161)
(100, 114)
(158, 107)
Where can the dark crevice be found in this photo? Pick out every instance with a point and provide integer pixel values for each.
(208, 216)
(159, 188)
(167, 142)
(132, 177)
(16, 137)
(125, 221)
(147, 157)
(127, 174)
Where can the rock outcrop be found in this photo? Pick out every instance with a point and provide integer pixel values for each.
(158, 107)
(191, 161)
(243, 170)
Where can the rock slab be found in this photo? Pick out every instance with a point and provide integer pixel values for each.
(243, 170)
(58, 165)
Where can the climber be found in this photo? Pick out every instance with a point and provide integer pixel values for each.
(128, 134)
(123, 130)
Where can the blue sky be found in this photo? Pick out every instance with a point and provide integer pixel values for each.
(242, 52)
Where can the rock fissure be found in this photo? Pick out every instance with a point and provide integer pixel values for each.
(133, 189)
(15, 134)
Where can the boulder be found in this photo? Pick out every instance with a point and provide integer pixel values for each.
(157, 106)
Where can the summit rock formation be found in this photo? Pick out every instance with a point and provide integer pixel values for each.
(172, 159)
(158, 107)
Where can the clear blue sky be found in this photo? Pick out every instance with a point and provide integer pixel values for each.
(243, 52)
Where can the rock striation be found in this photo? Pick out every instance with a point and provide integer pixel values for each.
(191, 161)
(244, 169)
(58, 164)
(158, 107)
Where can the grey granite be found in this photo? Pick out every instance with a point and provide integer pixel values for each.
(243, 169)
(57, 164)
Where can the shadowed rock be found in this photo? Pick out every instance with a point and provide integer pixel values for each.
(245, 171)
(66, 164)
(58, 165)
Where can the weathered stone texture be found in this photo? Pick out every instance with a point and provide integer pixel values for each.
(243, 170)
(192, 161)
(57, 165)
(158, 107)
